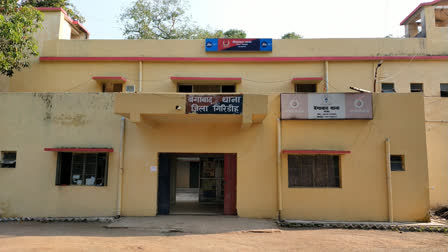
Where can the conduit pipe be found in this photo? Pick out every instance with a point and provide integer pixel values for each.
(326, 76)
(121, 168)
(279, 168)
(390, 201)
(140, 77)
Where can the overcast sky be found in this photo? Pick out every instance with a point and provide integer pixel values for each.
(270, 18)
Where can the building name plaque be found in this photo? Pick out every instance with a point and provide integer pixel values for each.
(214, 104)
(329, 106)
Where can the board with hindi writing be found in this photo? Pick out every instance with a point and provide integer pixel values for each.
(214, 104)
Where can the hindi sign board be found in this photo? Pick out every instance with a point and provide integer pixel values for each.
(329, 106)
(214, 104)
(228, 44)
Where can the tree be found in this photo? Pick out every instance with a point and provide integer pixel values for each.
(65, 4)
(234, 33)
(159, 19)
(17, 44)
(292, 35)
(208, 33)
(167, 19)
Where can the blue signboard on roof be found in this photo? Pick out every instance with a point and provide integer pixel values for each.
(242, 45)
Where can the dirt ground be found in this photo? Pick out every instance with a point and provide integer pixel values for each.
(234, 234)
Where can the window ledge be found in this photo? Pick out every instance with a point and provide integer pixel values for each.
(80, 149)
(339, 152)
(205, 80)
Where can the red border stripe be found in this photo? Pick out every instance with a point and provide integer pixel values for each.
(109, 78)
(240, 59)
(80, 149)
(315, 152)
(307, 79)
(205, 78)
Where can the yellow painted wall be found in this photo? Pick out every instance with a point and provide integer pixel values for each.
(31, 122)
(437, 142)
(256, 173)
(363, 192)
(180, 133)
(88, 120)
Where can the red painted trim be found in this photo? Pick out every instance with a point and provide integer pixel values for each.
(109, 78)
(418, 8)
(79, 149)
(205, 79)
(77, 23)
(315, 152)
(307, 79)
(240, 59)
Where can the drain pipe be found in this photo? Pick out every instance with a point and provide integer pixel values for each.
(140, 76)
(390, 201)
(279, 168)
(326, 76)
(120, 170)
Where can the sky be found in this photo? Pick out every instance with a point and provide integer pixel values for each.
(270, 18)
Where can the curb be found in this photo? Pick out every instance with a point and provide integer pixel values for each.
(60, 219)
(392, 227)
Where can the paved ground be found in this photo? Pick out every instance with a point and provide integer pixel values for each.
(205, 233)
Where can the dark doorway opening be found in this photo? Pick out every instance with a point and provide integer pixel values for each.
(197, 184)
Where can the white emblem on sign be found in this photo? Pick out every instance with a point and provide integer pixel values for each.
(358, 103)
(326, 100)
(294, 104)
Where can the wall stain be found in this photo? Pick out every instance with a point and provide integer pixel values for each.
(4, 210)
(70, 120)
(48, 103)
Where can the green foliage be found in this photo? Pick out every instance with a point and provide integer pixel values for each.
(158, 19)
(234, 33)
(65, 4)
(166, 19)
(292, 35)
(17, 45)
(208, 33)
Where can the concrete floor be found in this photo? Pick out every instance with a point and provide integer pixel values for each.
(205, 233)
(194, 224)
(187, 202)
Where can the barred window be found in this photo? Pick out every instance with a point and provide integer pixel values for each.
(313, 171)
(83, 169)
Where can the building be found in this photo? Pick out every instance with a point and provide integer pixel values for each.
(144, 127)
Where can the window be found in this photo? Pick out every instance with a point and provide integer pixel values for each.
(206, 88)
(387, 88)
(8, 159)
(87, 169)
(109, 87)
(444, 90)
(416, 88)
(306, 88)
(313, 171)
(396, 163)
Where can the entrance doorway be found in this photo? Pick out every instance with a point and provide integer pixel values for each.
(197, 184)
